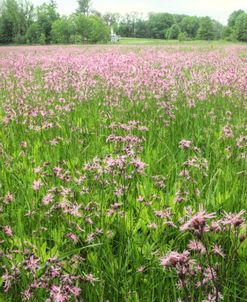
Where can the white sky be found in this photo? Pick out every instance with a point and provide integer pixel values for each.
(217, 9)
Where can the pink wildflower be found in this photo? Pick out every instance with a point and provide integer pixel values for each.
(218, 250)
(48, 199)
(185, 144)
(174, 258)
(196, 246)
(8, 198)
(227, 132)
(37, 184)
(90, 278)
(232, 219)
(73, 237)
(8, 230)
(197, 223)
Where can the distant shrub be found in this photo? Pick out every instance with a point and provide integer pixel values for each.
(182, 37)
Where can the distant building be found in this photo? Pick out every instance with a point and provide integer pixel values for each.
(114, 38)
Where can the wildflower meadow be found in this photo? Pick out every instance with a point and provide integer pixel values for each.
(123, 173)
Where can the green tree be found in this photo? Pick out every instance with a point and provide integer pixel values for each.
(112, 20)
(46, 15)
(217, 29)
(233, 17)
(127, 25)
(159, 24)
(141, 29)
(14, 20)
(84, 7)
(190, 25)
(182, 37)
(72, 28)
(229, 33)
(82, 28)
(33, 33)
(241, 27)
(179, 18)
(42, 39)
(206, 29)
(173, 32)
(99, 31)
(60, 32)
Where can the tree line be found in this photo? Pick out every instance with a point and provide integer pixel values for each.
(169, 26)
(181, 27)
(22, 23)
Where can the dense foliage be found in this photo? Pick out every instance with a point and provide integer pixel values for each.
(20, 22)
(170, 26)
(237, 26)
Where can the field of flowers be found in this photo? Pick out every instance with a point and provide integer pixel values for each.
(123, 173)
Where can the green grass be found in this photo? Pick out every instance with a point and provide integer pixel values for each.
(126, 242)
(147, 41)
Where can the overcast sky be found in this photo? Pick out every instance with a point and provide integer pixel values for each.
(217, 9)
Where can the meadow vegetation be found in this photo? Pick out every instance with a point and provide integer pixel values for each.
(23, 23)
(123, 173)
